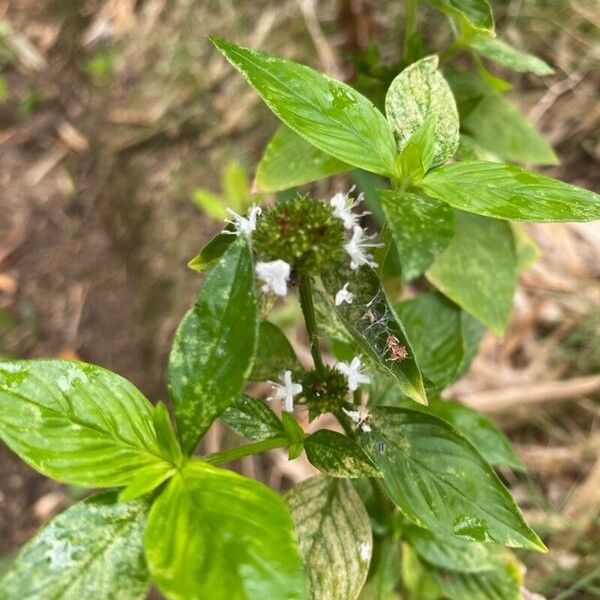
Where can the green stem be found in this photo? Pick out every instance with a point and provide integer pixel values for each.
(410, 24)
(357, 396)
(247, 450)
(308, 310)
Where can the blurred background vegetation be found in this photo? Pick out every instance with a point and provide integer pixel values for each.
(120, 129)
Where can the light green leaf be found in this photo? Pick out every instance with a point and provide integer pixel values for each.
(434, 326)
(496, 125)
(335, 536)
(235, 186)
(509, 192)
(452, 553)
(527, 250)
(338, 456)
(165, 434)
(421, 227)
(417, 578)
(478, 269)
(440, 482)
(145, 480)
(477, 13)
(327, 113)
(274, 354)
(295, 435)
(372, 323)
(211, 204)
(252, 418)
(419, 92)
(211, 252)
(418, 154)
(499, 51)
(214, 346)
(92, 550)
(289, 161)
(489, 440)
(76, 422)
(385, 572)
(215, 534)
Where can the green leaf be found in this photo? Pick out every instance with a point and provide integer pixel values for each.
(167, 439)
(92, 550)
(146, 480)
(252, 418)
(489, 440)
(435, 328)
(478, 269)
(418, 154)
(211, 204)
(214, 346)
(235, 185)
(373, 324)
(295, 435)
(509, 192)
(419, 92)
(338, 456)
(440, 482)
(327, 113)
(482, 109)
(76, 422)
(527, 250)
(452, 553)
(289, 161)
(215, 534)
(274, 354)
(417, 578)
(477, 13)
(211, 252)
(499, 51)
(421, 227)
(384, 573)
(334, 534)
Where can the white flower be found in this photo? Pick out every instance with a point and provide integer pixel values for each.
(245, 225)
(353, 373)
(286, 391)
(342, 208)
(360, 417)
(275, 275)
(357, 247)
(344, 295)
(364, 551)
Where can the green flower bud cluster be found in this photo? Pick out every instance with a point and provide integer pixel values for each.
(323, 392)
(303, 232)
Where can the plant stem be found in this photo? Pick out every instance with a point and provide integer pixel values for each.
(410, 24)
(308, 310)
(357, 396)
(247, 450)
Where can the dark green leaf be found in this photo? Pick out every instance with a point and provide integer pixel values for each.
(289, 161)
(489, 440)
(421, 227)
(435, 328)
(419, 92)
(211, 252)
(499, 51)
(482, 109)
(440, 482)
(375, 327)
(327, 113)
(335, 537)
(252, 418)
(215, 534)
(478, 270)
(214, 346)
(478, 13)
(509, 192)
(92, 550)
(338, 456)
(274, 354)
(76, 422)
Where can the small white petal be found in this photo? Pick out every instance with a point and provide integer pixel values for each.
(286, 391)
(357, 248)
(274, 275)
(244, 225)
(342, 207)
(344, 295)
(353, 374)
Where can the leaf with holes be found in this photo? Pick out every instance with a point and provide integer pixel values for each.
(375, 327)
(78, 423)
(335, 537)
(440, 482)
(92, 550)
(338, 456)
(478, 270)
(214, 346)
(289, 160)
(419, 92)
(215, 534)
(327, 113)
